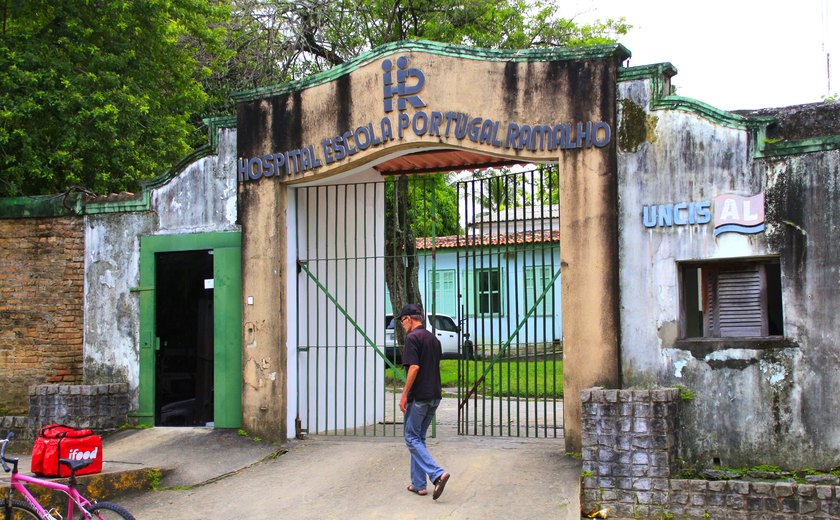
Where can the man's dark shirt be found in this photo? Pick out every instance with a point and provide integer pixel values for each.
(423, 348)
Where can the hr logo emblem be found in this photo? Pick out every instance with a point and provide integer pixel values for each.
(405, 93)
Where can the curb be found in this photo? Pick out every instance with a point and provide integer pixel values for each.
(100, 486)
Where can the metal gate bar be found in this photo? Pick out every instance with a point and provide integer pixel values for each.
(494, 244)
(340, 362)
(344, 353)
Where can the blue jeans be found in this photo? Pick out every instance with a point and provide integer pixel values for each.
(418, 417)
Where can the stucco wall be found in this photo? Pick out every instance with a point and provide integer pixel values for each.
(200, 199)
(754, 404)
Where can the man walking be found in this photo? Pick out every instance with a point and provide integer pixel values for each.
(420, 398)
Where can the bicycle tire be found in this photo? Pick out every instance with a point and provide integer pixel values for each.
(20, 510)
(105, 511)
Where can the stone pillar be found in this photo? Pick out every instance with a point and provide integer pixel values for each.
(629, 450)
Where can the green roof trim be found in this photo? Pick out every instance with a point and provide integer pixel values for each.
(213, 126)
(456, 51)
(799, 146)
(642, 72)
(143, 201)
(661, 100)
(41, 206)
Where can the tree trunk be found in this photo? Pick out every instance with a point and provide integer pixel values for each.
(401, 265)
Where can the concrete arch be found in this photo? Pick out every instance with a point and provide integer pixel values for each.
(418, 96)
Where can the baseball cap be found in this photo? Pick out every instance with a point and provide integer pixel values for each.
(412, 309)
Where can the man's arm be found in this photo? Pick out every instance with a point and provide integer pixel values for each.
(410, 376)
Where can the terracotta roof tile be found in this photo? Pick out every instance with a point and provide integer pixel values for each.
(522, 237)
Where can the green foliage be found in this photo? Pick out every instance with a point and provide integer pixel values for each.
(153, 477)
(432, 207)
(100, 94)
(135, 427)
(686, 394)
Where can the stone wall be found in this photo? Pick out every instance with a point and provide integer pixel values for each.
(41, 305)
(630, 466)
(101, 408)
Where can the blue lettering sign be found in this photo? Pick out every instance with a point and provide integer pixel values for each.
(406, 94)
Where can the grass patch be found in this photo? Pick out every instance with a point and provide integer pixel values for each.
(503, 379)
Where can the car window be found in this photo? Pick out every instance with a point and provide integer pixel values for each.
(390, 321)
(444, 323)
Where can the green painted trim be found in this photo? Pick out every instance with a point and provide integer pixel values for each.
(143, 201)
(716, 115)
(800, 146)
(41, 206)
(226, 319)
(455, 51)
(227, 337)
(646, 72)
(213, 126)
(662, 100)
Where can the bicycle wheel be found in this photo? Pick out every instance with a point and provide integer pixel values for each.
(105, 511)
(20, 510)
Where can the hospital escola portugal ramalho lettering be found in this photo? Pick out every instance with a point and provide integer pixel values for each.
(404, 86)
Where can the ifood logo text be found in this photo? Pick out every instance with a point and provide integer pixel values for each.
(77, 454)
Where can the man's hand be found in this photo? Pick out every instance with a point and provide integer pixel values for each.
(410, 376)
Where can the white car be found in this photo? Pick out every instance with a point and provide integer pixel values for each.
(441, 325)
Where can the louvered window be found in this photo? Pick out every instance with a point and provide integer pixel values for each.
(732, 300)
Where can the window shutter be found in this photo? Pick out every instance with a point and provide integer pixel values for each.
(735, 302)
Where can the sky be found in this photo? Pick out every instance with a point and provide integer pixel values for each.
(732, 54)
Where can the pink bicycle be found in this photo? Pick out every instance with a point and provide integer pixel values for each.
(78, 507)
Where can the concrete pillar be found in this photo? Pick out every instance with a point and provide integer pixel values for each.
(264, 396)
(589, 264)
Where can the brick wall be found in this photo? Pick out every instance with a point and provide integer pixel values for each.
(629, 467)
(41, 305)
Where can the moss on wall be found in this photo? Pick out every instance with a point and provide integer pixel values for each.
(635, 127)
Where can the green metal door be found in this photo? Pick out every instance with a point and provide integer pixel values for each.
(227, 322)
(227, 329)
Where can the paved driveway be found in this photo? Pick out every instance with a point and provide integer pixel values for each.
(357, 477)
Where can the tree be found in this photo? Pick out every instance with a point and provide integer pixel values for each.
(416, 206)
(101, 93)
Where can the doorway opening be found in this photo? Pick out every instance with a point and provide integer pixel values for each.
(184, 338)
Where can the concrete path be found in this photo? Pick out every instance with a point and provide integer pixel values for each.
(355, 477)
(215, 473)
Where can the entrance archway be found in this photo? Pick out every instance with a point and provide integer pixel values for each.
(523, 106)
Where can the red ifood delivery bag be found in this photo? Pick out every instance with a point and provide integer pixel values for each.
(56, 441)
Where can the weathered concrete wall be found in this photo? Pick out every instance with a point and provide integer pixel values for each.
(755, 403)
(201, 199)
(41, 314)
